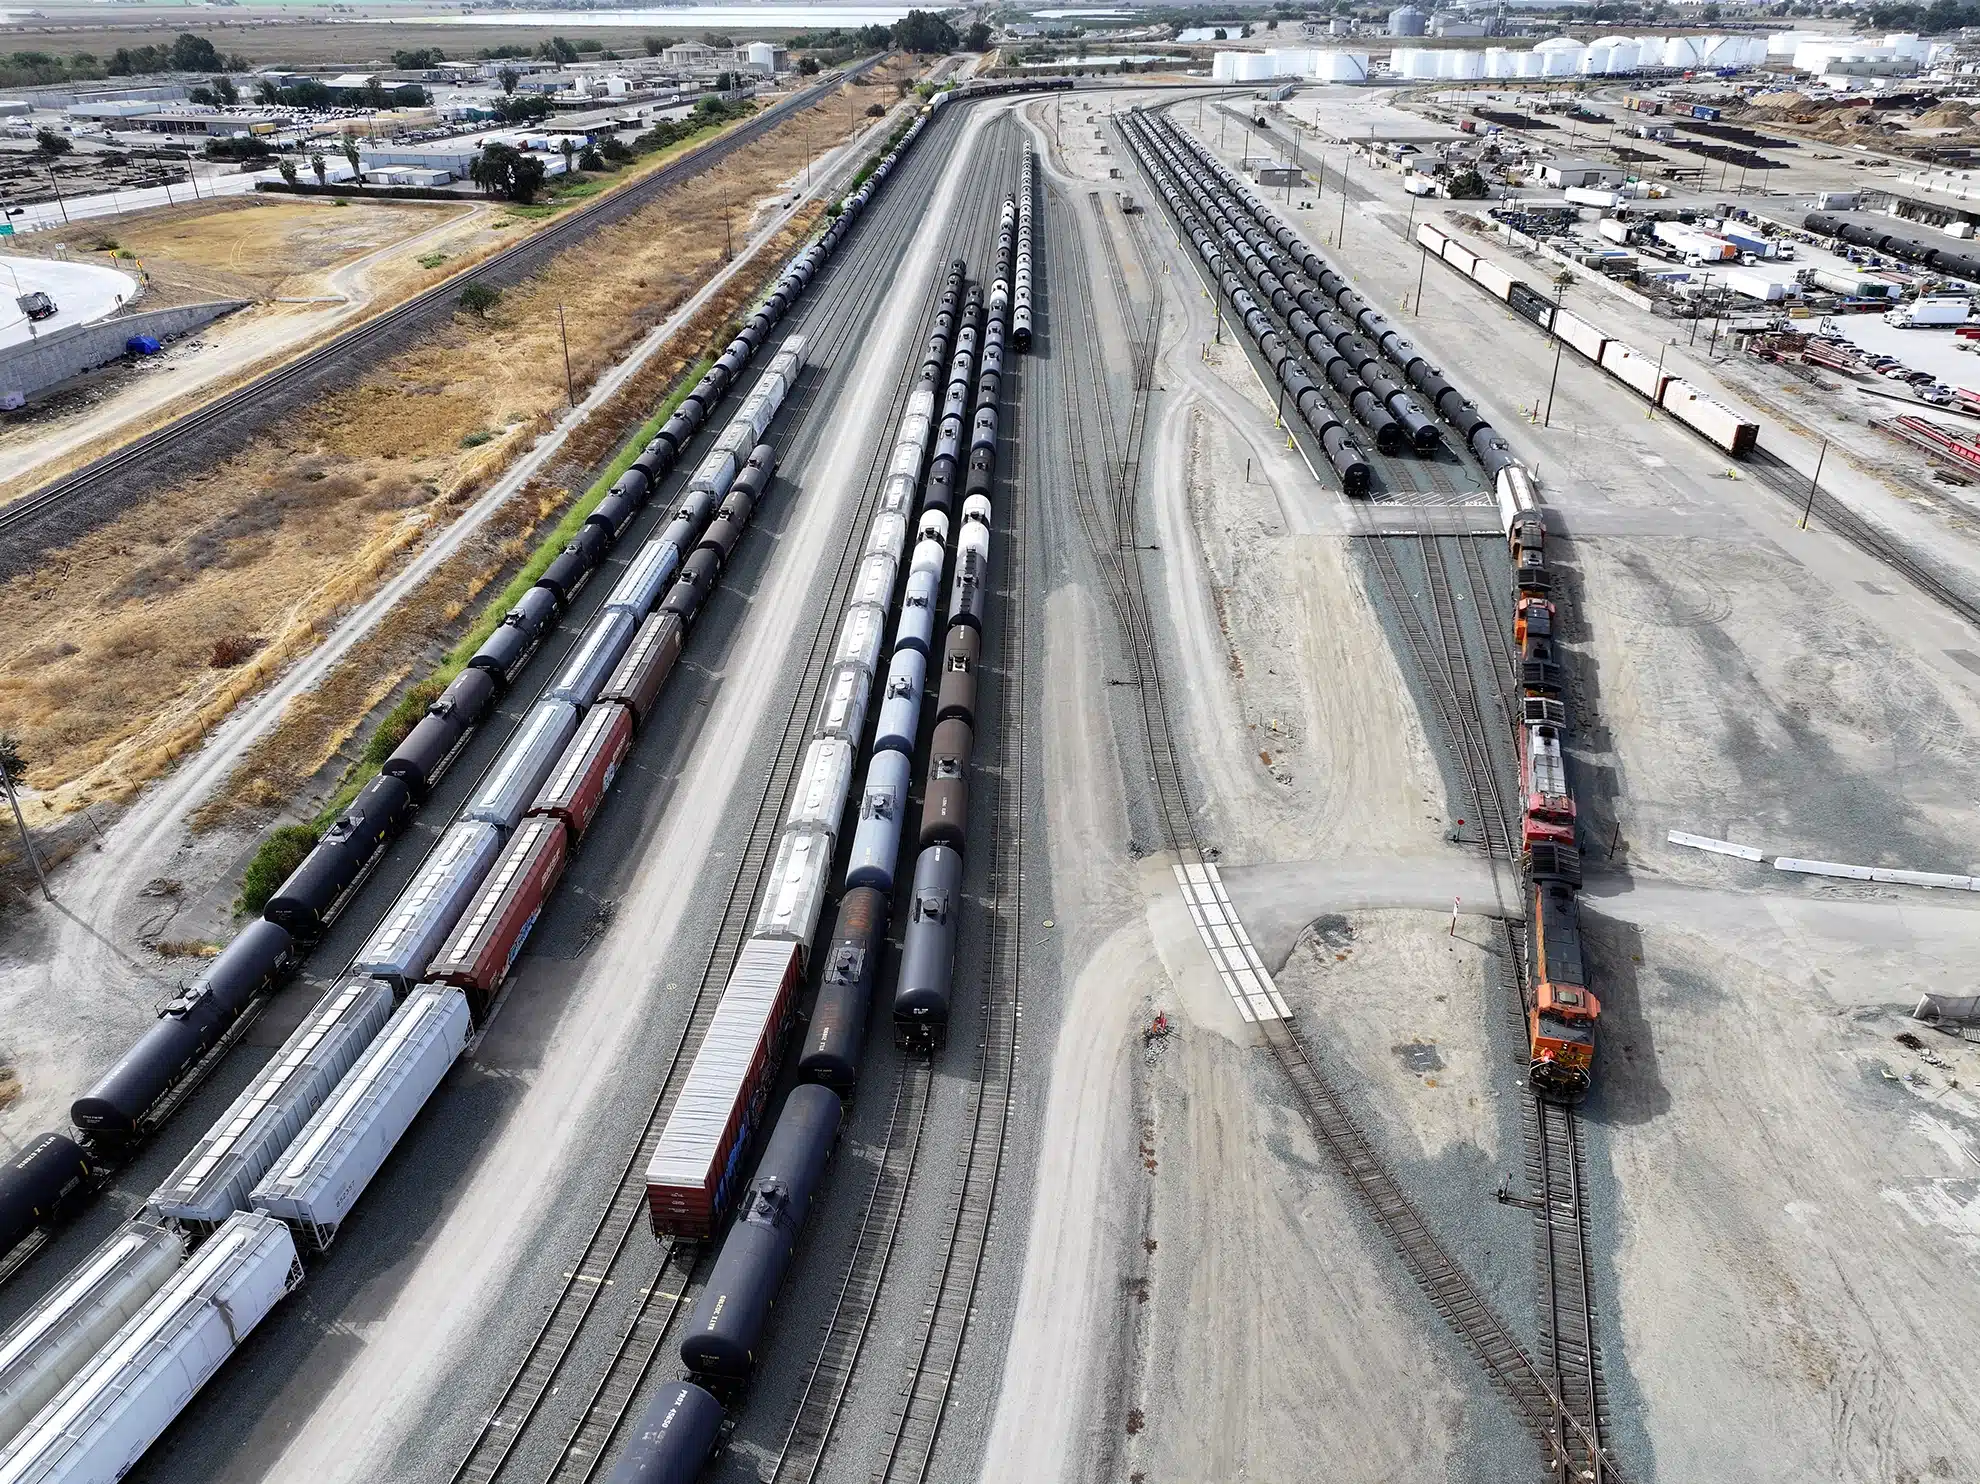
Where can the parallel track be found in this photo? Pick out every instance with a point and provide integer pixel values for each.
(936, 1346)
(1559, 1398)
(233, 415)
(611, 1393)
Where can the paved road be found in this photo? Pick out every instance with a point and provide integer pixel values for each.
(83, 294)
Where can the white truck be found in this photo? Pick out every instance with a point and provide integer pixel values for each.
(1692, 246)
(1923, 313)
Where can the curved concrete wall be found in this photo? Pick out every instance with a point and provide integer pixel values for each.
(57, 356)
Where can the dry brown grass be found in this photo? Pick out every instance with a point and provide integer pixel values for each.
(105, 653)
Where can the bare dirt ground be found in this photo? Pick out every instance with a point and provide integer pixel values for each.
(111, 675)
(337, 263)
(1153, 1340)
(1789, 1227)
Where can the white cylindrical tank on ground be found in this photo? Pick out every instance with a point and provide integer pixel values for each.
(1531, 64)
(319, 1178)
(1595, 61)
(1560, 56)
(1342, 67)
(61, 1334)
(1501, 61)
(101, 1423)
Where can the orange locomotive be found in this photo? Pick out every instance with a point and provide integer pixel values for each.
(1561, 1022)
(1561, 1025)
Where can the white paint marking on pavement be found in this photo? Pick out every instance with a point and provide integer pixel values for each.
(1229, 945)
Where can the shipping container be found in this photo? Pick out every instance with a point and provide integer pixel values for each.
(1635, 370)
(495, 926)
(1752, 283)
(433, 901)
(648, 661)
(824, 781)
(577, 785)
(595, 658)
(696, 1166)
(1613, 229)
(219, 1175)
(516, 778)
(76, 1319)
(1459, 256)
(111, 1411)
(1431, 239)
(319, 1178)
(795, 895)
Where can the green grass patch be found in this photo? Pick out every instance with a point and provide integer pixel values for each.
(533, 213)
(433, 260)
(278, 856)
(477, 438)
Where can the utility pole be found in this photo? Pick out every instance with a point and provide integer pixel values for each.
(570, 389)
(1347, 158)
(1812, 482)
(1554, 324)
(58, 195)
(1422, 263)
(27, 844)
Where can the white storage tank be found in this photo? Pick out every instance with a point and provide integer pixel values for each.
(64, 1331)
(319, 1178)
(1342, 67)
(217, 1178)
(102, 1422)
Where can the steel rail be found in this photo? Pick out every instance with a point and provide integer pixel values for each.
(508, 265)
(1440, 654)
(535, 1376)
(820, 1405)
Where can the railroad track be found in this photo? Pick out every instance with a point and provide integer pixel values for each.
(613, 1258)
(1825, 509)
(207, 430)
(1558, 1397)
(936, 1344)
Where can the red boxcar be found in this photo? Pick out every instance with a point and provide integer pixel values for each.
(696, 1169)
(647, 664)
(576, 786)
(481, 947)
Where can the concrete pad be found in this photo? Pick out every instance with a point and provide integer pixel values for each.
(1280, 900)
(83, 294)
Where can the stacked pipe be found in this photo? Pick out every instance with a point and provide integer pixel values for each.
(924, 989)
(1342, 452)
(725, 1328)
(1021, 284)
(1282, 251)
(341, 1091)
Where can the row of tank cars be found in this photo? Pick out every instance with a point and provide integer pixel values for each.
(1643, 374)
(694, 1177)
(1936, 253)
(100, 1367)
(1298, 290)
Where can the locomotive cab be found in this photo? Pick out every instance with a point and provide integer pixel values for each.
(1562, 1030)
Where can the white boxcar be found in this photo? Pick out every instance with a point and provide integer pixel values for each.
(100, 1424)
(1431, 238)
(319, 1178)
(62, 1333)
(217, 1177)
(433, 901)
(597, 655)
(646, 578)
(1459, 256)
(823, 783)
(796, 893)
(508, 787)
(1634, 369)
(1583, 336)
(1492, 277)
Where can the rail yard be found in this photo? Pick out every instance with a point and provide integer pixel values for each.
(1151, 826)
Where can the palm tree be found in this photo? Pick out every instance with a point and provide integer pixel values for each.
(316, 164)
(288, 169)
(351, 154)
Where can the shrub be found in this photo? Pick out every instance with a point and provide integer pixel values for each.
(280, 853)
(478, 298)
(231, 650)
(400, 721)
(477, 438)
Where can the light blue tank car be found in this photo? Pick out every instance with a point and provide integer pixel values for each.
(877, 840)
(900, 706)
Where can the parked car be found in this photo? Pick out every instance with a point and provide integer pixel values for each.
(36, 306)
